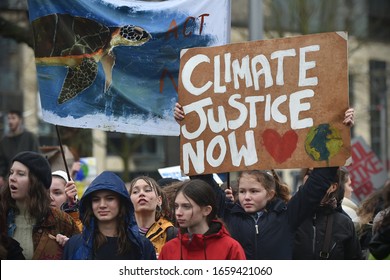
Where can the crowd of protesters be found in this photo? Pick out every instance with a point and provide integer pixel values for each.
(41, 216)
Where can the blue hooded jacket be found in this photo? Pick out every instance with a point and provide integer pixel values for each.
(80, 247)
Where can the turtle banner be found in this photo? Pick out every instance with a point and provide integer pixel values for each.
(113, 65)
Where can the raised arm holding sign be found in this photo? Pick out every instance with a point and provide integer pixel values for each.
(263, 105)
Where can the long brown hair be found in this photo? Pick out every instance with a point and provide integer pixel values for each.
(170, 193)
(202, 194)
(37, 201)
(3, 237)
(99, 239)
(385, 221)
(373, 203)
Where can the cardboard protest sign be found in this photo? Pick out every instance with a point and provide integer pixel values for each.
(265, 104)
(368, 173)
(173, 172)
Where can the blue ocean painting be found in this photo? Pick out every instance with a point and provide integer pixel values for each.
(143, 83)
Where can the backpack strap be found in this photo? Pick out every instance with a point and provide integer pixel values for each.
(324, 253)
(171, 233)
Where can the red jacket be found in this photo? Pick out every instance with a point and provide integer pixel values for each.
(215, 244)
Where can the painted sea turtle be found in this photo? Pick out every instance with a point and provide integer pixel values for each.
(79, 44)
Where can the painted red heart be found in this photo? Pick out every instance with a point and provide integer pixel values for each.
(280, 147)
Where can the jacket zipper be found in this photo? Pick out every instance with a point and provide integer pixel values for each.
(256, 219)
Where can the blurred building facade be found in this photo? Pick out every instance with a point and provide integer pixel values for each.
(367, 23)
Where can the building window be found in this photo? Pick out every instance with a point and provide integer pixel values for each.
(135, 144)
(379, 19)
(378, 108)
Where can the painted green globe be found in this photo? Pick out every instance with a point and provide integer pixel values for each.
(83, 172)
(323, 142)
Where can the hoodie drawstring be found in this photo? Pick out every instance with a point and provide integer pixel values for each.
(204, 248)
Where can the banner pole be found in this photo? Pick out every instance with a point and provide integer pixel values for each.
(63, 153)
(228, 180)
